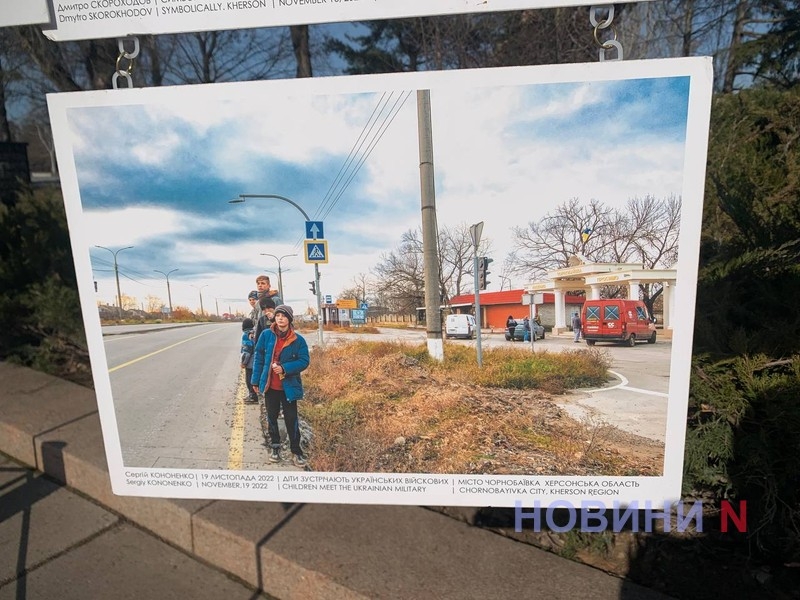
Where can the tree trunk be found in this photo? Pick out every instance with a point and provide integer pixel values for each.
(302, 53)
(5, 127)
(733, 64)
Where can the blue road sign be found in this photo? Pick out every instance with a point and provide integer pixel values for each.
(314, 230)
(358, 317)
(316, 251)
(364, 306)
(328, 299)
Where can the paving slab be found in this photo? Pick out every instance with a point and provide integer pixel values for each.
(11, 472)
(40, 519)
(390, 552)
(32, 403)
(77, 450)
(125, 563)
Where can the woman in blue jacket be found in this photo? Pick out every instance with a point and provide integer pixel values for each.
(280, 355)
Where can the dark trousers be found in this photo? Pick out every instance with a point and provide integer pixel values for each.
(248, 375)
(276, 400)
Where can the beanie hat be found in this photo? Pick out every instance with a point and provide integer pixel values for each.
(286, 310)
(247, 324)
(266, 302)
(253, 294)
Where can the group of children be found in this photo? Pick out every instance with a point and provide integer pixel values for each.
(273, 356)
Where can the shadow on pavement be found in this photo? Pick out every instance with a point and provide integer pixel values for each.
(291, 511)
(18, 498)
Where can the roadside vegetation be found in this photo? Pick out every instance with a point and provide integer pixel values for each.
(389, 407)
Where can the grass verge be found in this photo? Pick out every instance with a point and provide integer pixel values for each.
(389, 407)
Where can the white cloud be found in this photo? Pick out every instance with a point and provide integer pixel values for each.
(130, 226)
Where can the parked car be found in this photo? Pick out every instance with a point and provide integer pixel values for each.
(460, 326)
(519, 331)
(616, 320)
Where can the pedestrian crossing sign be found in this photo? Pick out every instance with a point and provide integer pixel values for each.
(316, 251)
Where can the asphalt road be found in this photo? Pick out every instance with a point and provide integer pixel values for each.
(178, 396)
(178, 393)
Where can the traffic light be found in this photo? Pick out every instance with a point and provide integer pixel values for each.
(483, 271)
(313, 287)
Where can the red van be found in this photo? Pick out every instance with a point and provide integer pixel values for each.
(625, 321)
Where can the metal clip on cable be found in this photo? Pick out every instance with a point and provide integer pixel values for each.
(129, 56)
(607, 45)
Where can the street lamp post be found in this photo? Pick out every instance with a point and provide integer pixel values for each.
(243, 198)
(116, 275)
(169, 294)
(280, 273)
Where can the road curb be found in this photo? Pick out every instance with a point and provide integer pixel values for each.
(341, 552)
(129, 329)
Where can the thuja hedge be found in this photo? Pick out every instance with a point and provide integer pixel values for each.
(40, 318)
(743, 433)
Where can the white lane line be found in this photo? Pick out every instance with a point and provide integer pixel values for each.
(135, 360)
(623, 385)
(641, 391)
(623, 382)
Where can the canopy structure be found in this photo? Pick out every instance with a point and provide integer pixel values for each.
(591, 277)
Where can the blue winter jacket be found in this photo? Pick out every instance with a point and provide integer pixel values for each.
(247, 347)
(293, 358)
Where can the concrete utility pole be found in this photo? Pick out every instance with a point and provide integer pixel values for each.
(169, 293)
(200, 290)
(430, 253)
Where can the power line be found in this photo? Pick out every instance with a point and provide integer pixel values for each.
(368, 137)
(384, 127)
(364, 130)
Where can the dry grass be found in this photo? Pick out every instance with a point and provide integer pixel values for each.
(386, 407)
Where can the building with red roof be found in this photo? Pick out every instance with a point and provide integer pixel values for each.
(497, 306)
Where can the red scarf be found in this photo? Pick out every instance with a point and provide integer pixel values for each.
(282, 339)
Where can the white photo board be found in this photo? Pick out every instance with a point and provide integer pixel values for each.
(96, 19)
(148, 176)
(23, 12)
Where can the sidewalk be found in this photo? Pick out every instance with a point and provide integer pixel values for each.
(82, 541)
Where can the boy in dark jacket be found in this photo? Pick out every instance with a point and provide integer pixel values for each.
(248, 347)
(266, 318)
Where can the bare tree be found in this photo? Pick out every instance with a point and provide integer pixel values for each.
(456, 259)
(645, 231)
(361, 288)
(400, 275)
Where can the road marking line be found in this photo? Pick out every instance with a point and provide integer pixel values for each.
(641, 391)
(135, 360)
(236, 447)
(620, 376)
(623, 385)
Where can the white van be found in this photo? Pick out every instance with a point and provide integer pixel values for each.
(462, 326)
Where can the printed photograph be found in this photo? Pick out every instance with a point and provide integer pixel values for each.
(475, 274)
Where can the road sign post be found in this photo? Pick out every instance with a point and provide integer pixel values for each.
(475, 232)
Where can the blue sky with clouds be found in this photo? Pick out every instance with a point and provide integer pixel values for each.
(156, 169)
